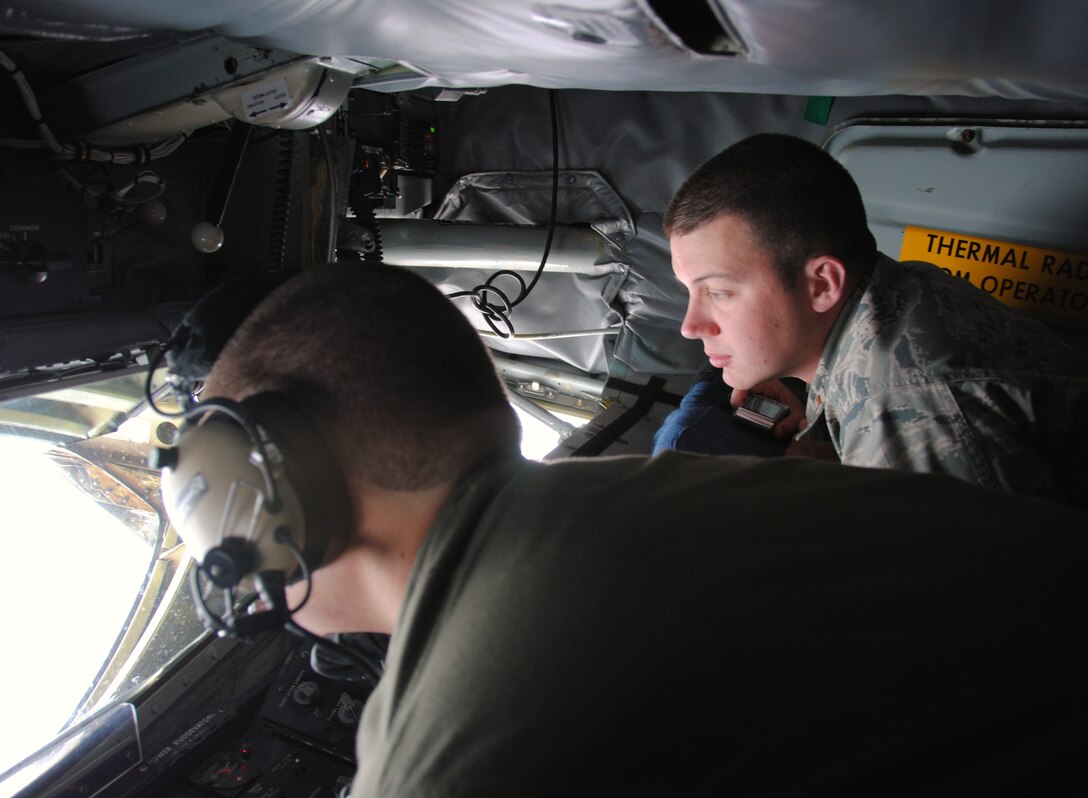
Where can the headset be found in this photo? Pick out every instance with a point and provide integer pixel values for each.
(252, 489)
(256, 495)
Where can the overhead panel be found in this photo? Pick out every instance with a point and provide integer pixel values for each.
(1001, 204)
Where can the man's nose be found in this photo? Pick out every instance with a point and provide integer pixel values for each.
(696, 324)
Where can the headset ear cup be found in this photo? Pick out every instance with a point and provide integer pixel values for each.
(219, 493)
(217, 496)
(314, 475)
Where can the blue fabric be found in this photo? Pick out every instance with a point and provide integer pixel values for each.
(704, 424)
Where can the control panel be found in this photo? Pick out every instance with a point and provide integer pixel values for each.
(310, 707)
(299, 744)
(262, 764)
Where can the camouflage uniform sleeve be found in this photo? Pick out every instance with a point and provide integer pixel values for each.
(971, 429)
(924, 372)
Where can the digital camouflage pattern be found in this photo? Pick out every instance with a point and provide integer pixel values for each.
(925, 372)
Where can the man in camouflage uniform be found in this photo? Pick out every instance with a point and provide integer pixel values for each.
(908, 367)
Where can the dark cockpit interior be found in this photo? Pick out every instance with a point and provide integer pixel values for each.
(518, 155)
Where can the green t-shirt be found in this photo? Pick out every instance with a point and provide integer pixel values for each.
(687, 625)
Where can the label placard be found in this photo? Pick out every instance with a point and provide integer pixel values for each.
(1028, 278)
(266, 98)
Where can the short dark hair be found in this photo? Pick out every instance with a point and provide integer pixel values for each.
(799, 201)
(391, 372)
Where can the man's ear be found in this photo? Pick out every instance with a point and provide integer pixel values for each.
(825, 278)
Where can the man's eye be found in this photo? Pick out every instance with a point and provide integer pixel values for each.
(719, 294)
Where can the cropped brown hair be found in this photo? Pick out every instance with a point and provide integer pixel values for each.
(389, 370)
(799, 201)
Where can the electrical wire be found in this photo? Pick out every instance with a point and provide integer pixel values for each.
(270, 586)
(121, 196)
(283, 535)
(18, 22)
(209, 618)
(140, 154)
(493, 313)
(231, 626)
(185, 397)
(365, 667)
(555, 201)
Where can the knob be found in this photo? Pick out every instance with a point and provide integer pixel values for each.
(306, 692)
(349, 711)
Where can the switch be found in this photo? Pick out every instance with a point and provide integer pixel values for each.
(306, 693)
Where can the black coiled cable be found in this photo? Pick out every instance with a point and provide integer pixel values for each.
(493, 303)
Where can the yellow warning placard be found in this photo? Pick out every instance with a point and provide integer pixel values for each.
(1028, 278)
